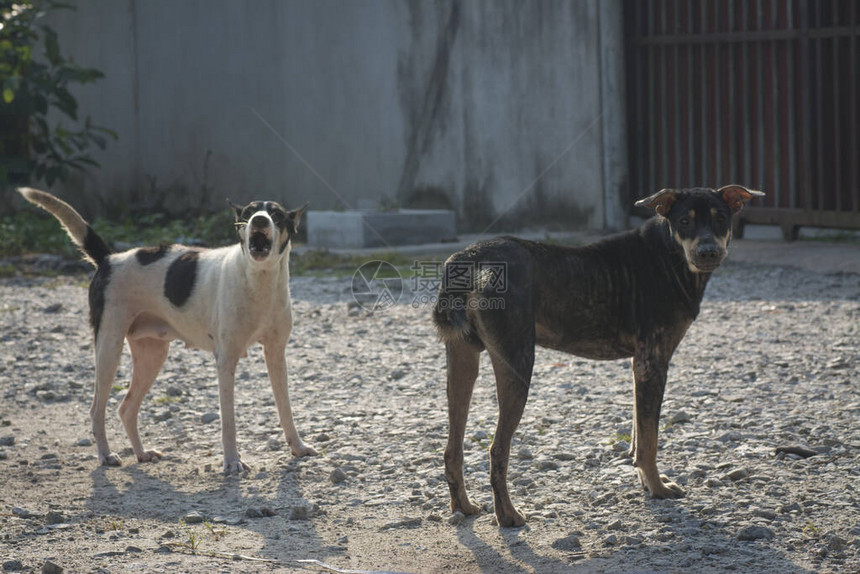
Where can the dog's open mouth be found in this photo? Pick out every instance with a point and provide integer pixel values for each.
(259, 245)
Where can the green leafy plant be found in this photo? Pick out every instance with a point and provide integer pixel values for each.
(34, 79)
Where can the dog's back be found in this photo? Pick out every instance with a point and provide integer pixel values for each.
(590, 300)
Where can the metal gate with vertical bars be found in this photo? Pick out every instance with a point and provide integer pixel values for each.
(758, 92)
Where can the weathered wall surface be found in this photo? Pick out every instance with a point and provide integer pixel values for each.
(509, 112)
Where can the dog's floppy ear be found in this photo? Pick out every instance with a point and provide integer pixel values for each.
(661, 201)
(295, 216)
(736, 196)
(237, 209)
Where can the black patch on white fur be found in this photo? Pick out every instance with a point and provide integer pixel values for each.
(149, 255)
(181, 277)
(95, 247)
(98, 286)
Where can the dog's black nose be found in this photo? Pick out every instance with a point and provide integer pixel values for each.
(708, 252)
(259, 221)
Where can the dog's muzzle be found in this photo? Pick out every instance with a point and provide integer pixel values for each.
(707, 256)
(260, 237)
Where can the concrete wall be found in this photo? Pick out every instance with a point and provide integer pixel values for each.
(509, 112)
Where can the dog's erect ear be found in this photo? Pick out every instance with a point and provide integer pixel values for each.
(661, 201)
(295, 216)
(736, 196)
(237, 209)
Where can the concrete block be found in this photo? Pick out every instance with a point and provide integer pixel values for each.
(371, 228)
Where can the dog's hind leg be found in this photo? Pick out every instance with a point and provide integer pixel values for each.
(463, 362)
(513, 369)
(148, 356)
(276, 364)
(649, 374)
(108, 352)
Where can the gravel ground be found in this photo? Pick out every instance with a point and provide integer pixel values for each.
(771, 362)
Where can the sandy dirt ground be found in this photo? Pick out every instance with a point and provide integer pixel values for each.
(771, 362)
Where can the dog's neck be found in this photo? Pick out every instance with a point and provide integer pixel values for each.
(690, 285)
(270, 275)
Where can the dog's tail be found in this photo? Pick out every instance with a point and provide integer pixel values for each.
(88, 241)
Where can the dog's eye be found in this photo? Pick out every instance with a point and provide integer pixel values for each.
(684, 221)
(721, 218)
(277, 217)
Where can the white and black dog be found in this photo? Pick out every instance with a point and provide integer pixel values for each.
(221, 300)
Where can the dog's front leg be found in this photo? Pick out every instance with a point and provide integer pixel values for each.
(649, 375)
(276, 364)
(227, 359)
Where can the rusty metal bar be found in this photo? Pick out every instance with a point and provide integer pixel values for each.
(733, 165)
(717, 109)
(760, 100)
(664, 107)
(837, 119)
(652, 104)
(691, 97)
(676, 111)
(776, 147)
(819, 128)
(792, 117)
(853, 129)
(747, 143)
(805, 120)
(703, 75)
(747, 36)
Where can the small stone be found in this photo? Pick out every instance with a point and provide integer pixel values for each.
(300, 512)
(162, 416)
(337, 476)
(174, 391)
(274, 444)
(480, 435)
(23, 512)
(731, 436)
(714, 482)
(564, 456)
(193, 518)
(680, 417)
(13, 566)
(7, 440)
(84, 442)
(268, 511)
(209, 417)
(51, 568)
(524, 453)
(434, 518)
(836, 543)
(737, 474)
(406, 523)
(55, 308)
(322, 437)
(614, 525)
(253, 512)
(133, 549)
(456, 518)
(547, 465)
(765, 513)
(569, 543)
(610, 540)
(54, 518)
(755, 533)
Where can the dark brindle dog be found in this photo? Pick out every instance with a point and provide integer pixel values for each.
(630, 295)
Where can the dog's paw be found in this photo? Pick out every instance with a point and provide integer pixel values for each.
(111, 459)
(235, 467)
(303, 450)
(468, 509)
(150, 456)
(512, 519)
(667, 489)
